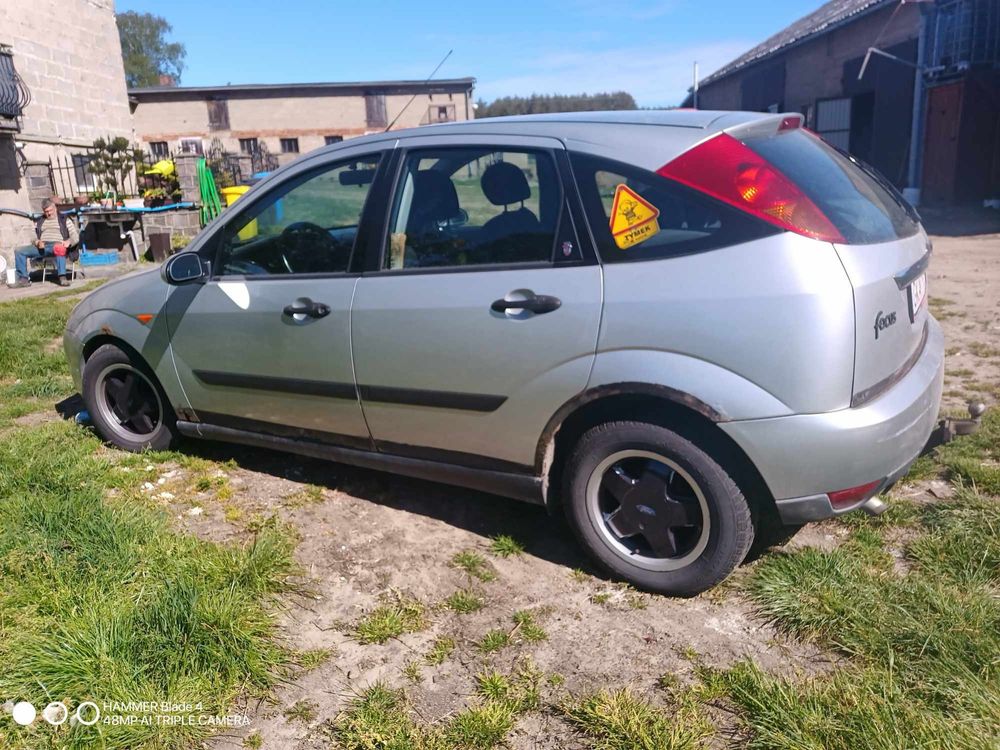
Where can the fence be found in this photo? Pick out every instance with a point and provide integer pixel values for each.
(72, 175)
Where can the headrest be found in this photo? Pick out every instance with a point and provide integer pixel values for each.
(434, 196)
(503, 183)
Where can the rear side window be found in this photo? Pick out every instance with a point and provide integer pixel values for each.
(474, 207)
(860, 203)
(620, 200)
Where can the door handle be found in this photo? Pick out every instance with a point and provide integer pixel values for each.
(536, 303)
(307, 307)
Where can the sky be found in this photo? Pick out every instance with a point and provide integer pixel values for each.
(515, 47)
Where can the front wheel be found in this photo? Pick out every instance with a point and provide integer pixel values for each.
(126, 403)
(655, 509)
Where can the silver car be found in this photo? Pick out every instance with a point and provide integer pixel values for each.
(684, 329)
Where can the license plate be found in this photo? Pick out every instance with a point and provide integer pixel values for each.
(918, 293)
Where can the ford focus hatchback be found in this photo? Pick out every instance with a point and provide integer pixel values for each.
(685, 330)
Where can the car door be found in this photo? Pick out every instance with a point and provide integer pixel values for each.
(264, 344)
(480, 316)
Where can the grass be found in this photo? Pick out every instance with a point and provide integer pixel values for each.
(440, 650)
(527, 628)
(411, 671)
(474, 564)
(313, 658)
(380, 717)
(464, 601)
(974, 460)
(303, 711)
(390, 621)
(100, 599)
(922, 647)
(506, 546)
(33, 372)
(494, 641)
(621, 720)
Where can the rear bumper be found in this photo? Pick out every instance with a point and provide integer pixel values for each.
(804, 456)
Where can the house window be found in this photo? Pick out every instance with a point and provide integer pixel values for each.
(218, 114)
(289, 145)
(328, 139)
(441, 113)
(85, 179)
(375, 114)
(159, 149)
(192, 146)
(249, 146)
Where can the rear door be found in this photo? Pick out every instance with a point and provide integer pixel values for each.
(884, 251)
(480, 317)
(264, 345)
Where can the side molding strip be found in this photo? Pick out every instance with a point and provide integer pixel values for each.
(518, 486)
(482, 402)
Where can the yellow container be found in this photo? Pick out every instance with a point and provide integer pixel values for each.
(231, 195)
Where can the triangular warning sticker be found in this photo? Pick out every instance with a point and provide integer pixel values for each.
(633, 218)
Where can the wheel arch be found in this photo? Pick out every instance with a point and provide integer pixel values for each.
(655, 404)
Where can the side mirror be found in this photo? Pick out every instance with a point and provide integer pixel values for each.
(182, 268)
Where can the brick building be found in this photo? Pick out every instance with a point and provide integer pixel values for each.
(936, 132)
(289, 119)
(62, 85)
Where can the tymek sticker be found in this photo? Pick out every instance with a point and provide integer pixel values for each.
(633, 218)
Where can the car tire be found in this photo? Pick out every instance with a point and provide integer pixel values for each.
(684, 525)
(126, 403)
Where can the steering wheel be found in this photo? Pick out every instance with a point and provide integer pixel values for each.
(304, 241)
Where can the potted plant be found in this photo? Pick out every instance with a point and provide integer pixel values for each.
(155, 196)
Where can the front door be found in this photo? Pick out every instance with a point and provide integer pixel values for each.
(483, 315)
(265, 344)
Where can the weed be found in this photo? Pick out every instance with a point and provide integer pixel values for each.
(474, 564)
(390, 621)
(253, 741)
(464, 601)
(506, 546)
(494, 640)
(302, 711)
(412, 671)
(527, 628)
(620, 720)
(313, 658)
(441, 649)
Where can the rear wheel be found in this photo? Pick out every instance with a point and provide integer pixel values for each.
(126, 403)
(655, 509)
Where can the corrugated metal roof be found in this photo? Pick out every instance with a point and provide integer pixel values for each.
(182, 91)
(825, 18)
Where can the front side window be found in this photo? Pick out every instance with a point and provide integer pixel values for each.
(639, 215)
(474, 206)
(307, 225)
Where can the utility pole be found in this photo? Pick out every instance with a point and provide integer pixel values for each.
(694, 88)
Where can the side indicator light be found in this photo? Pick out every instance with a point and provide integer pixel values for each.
(144, 318)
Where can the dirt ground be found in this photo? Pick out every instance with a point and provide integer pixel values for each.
(366, 538)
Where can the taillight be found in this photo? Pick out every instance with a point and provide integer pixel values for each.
(845, 498)
(730, 171)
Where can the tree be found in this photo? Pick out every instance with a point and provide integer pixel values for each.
(145, 50)
(539, 103)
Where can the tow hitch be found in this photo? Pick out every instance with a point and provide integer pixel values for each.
(949, 428)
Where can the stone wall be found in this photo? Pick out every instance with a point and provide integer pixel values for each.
(69, 55)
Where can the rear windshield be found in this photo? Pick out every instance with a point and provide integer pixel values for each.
(859, 202)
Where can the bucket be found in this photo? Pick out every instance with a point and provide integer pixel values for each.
(232, 194)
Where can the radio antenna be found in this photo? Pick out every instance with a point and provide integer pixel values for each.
(428, 80)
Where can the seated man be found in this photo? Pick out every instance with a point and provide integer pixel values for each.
(50, 230)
